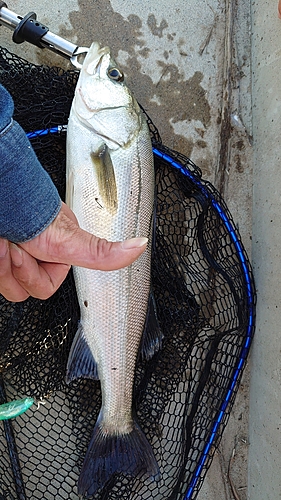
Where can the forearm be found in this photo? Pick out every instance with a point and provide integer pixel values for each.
(29, 201)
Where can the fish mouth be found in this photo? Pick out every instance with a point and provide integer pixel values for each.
(98, 67)
(93, 63)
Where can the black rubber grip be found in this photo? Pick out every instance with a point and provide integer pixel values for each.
(30, 30)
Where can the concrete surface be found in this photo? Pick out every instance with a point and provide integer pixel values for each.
(189, 64)
(265, 408)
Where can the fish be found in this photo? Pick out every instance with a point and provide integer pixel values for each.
(110, 188)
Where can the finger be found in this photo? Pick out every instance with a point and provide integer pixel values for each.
(38, 279)
(55, 273)
(9, 287)
(105, 255)
(63, 241)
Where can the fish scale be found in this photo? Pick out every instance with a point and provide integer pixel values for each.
(110, 188)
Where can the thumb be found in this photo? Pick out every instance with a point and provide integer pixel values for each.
(97, 253)
(64, 242)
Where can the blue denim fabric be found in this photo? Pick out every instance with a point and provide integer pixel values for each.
(29, 200)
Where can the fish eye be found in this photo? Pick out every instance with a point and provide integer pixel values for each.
(116, 74)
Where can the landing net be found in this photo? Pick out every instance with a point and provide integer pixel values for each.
(205, 297)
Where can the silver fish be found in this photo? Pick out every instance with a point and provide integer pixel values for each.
(110, 188)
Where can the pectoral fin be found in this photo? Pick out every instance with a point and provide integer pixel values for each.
(106, 179)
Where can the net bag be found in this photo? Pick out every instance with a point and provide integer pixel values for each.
(205, 298)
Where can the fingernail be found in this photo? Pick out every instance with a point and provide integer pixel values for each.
(134, 243)
(3, 248)
(16, 255)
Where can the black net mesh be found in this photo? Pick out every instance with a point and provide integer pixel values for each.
(205, 299)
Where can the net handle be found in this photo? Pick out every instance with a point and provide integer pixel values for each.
(28, 29)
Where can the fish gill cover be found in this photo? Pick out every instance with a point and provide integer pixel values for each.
(205, 297)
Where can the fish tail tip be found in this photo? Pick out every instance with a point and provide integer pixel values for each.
(130, 454)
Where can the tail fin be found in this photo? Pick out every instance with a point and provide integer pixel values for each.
(129, 453)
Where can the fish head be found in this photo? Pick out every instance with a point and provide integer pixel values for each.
(103, 102)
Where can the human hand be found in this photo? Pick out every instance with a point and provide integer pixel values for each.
(38, 267)
(279, 9)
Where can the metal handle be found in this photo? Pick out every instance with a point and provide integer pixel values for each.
(28, 29)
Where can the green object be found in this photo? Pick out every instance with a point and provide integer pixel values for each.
(15, 408)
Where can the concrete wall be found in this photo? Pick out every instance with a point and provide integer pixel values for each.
(189, 63)
(265, 408)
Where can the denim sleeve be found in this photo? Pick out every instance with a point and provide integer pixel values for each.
(29, 201)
